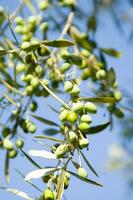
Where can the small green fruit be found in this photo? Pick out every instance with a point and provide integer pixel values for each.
(76, 107)
(48, 194)
(84, 127)
(71, 117)
(43, 50)
(61, 151)
(33, 106)
(65, 67)
(29, 90)
(34, 82)
(86, 118)
(100, 74)
(72, 136)
(83, 143)
(8, 144)
(20, 68)
(6, 131)
(82, 172)
(19, 143)
(66, 183)
(25, 46)
(90, 107)
(118, 95)
(75, 90)
(12, 154)
(68, 86)
(35, 43)
(63, 115)
(44, 27)
(43, 5)
(32, 128)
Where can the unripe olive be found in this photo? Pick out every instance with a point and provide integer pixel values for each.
(19, 20)
(75, 90)
(12, 154)
(44, 27)
(43, 50)
(65, 67)
(19, 143)
(43, 5)
(27, 37)
(29, 90)
(61, 151)
(28, 77)
(63, 115)
(39, 71)
(34, 82)
(8, 144)
(32, 128)
(86, 118)
(118, 95)
(29, 58)
(71, 117)
(76, 107)
(45, 82)
(68, 86)
(45, 179)
(66, 183)
(48, 194)
(90, 107)
(100, 74)
(26, 46)
(20, 68)
(35, 43)
(84, 127)
(72, 136)
(33, 106)
(118, 113)
(86, 74)
(83, 142)
(82, 172)
(85, 53)
(19, 29)
(6, 131)
(32, 19)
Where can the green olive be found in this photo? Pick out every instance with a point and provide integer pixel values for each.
(100, 74)
(43, 50)
(61, 151)
(83, 143)
(19, 29)
(48, 194)
(68, 86)
(76, 107)
(19, 20)
(12, 154)
(86, 118)
(44, 27)
(32, 128)
(84, 127)
(35, 43)
(118, 95)
(63, 115)
(33, 106)
(43, 5)
(66, 183)
(65, 67)
(6, 131)
(90, 107)
(26, 46)
(29, 90)
(30, 58)
(71, 117)
(72, 136)
(34, 82)
(8, 144)
(82, 172)
(19, 143)
(20, 68)
(86, 74)
(75, 90)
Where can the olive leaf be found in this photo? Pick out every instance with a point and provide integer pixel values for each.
(45, 121)
(58, 43)
(88, 164)
(111, 52)
(30, 159)
(7, 167)
(48, 138)
(51, 131)
(42, 154)
(110, 100)
(60, 185)
(40, 172)
(97, 129)
(19, 193)
(85, 179)
(110, 77)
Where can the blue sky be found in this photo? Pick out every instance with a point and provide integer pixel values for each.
(114, 186)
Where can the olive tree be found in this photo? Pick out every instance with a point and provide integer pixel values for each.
(44, 57)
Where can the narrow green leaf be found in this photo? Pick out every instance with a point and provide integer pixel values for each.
(58, 43)
(7, 168)
(110, 77)
(99, 99)
(19, 193)
(30, 159)
(85, 179)
(52, 108)
(48, 138)
(45, 121)
(111, 52)
(76, 165)
(60, 185)
(88, 164)
(97, 129)
(51, 131)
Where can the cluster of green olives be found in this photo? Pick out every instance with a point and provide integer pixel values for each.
(7, 144)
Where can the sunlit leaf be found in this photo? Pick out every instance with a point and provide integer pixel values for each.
(42, 154)
(51, 131)
(60, 185)
(110, 77)
(19, 193)
(111, 52)
(99, 99)
(7, 168)
(48, 138)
